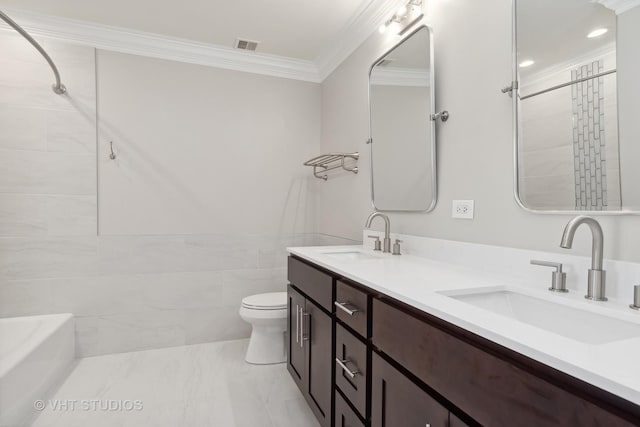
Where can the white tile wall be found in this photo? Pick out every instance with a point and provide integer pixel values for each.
(132, 293)
(127, 292)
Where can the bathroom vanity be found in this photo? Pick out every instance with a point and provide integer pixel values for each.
(388, 352)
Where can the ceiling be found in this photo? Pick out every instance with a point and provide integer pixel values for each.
(300, 29)
(550, 32)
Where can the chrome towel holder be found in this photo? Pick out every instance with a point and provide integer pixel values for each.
(327, 162)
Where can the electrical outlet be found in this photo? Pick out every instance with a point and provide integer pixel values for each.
(462, 209)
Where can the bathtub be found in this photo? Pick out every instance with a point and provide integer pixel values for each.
(36, 354)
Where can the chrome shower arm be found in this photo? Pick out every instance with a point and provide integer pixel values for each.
(58, 87)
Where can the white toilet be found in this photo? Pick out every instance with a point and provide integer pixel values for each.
(267, 314)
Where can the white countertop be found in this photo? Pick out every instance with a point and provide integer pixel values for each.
(420, 281)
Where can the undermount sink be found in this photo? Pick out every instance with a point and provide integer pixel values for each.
(350, 255)
(575, 323)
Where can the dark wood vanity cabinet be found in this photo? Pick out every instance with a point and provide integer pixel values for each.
(398, 401)
(351, 368)
(345, 415)
(363, 359)
(491, 384)
(310, 337)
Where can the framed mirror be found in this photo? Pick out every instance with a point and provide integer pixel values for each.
(402, 134)
(576, 110)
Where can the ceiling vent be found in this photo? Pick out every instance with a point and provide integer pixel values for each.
(384, 62)
(246, 44)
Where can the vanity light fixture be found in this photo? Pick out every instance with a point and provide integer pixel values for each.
(405, 17)
(527, 63)
(597, 33)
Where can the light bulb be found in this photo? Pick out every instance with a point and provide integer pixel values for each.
(597, 33)
(527, 63)
(402, 10)
(382, 28)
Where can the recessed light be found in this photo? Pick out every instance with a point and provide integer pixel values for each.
(527, 63)
(597, 33)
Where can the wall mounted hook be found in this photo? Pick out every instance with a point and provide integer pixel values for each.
(112, 156)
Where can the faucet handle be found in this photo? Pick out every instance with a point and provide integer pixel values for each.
(636, 298)
(556, 265)
(396, 247)
(376, 245)
(558, 277)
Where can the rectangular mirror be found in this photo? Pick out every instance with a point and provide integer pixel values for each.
(403, 143)
(577, 74)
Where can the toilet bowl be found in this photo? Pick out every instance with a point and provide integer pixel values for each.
(267, 314)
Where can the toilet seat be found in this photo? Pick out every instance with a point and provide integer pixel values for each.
(268, 301)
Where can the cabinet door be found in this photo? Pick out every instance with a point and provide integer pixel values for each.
(295, 350)
(397, 401)
(345, 417)
(317, 327)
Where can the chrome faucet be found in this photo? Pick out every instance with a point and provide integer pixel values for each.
(597, 276)
(386, 243)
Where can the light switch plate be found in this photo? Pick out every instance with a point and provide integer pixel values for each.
(462, 209)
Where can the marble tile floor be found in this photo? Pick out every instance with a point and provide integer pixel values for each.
(190, 386)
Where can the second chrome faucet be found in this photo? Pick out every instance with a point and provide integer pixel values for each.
(596, 282)
(386, 243)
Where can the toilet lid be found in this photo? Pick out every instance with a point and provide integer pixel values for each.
(269, 301)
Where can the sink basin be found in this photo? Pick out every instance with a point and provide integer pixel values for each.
(580, 325)
(350, 255)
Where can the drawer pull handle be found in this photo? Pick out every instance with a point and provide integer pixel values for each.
(303, 336)
(297, 324)
(346, 307)
(345, 368)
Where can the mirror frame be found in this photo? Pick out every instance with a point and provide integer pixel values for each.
(515, 92)
(434, 160)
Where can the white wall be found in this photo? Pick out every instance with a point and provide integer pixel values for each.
(473, 61)
(203, 150)
(629, 84)
(206, 192)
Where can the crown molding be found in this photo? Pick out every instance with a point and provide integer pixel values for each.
(158, 46)
(394, 76)
(364, 22)
(619, 6)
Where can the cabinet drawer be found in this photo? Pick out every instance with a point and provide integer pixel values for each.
(351, 307)
(351, 368)
(313, 282)
(345, 417)
(491, 390)
(397, 401)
